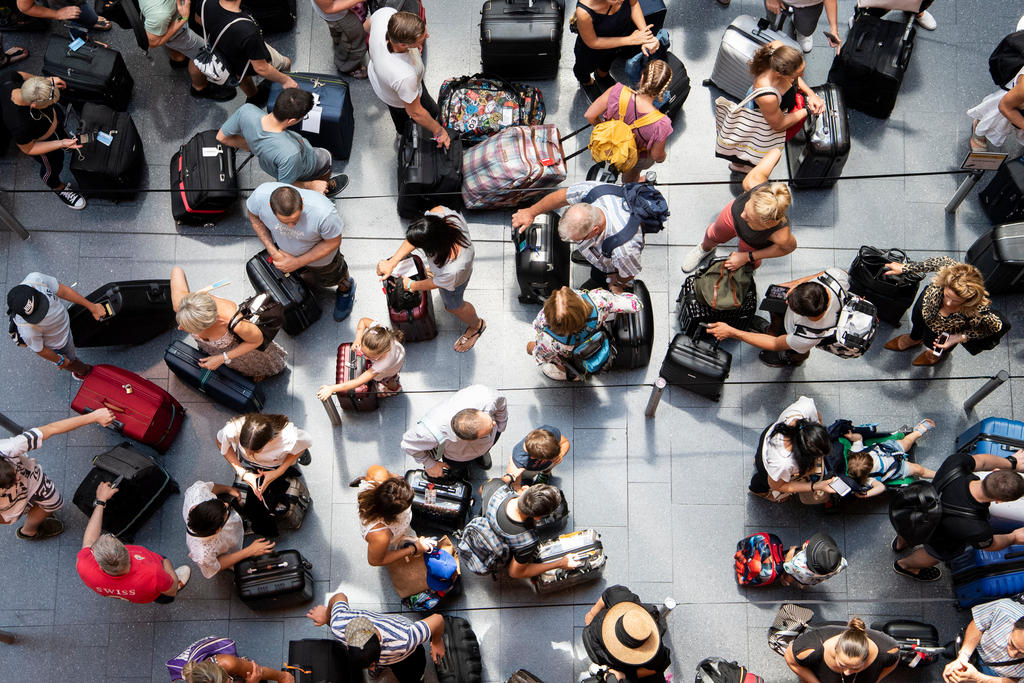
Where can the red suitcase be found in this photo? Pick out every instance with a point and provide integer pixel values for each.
(362, 399)
(145, 412)
(417, 323)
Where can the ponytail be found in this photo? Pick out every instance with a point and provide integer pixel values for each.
(854, 643)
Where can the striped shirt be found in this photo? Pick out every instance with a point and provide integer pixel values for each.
(625, 259)
(399, 637)
(995, 621)
(28, 475)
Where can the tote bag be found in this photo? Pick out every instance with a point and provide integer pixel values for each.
(744, 134)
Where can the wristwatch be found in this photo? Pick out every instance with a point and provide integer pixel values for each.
(1013, 462)
(750, 255)
(101, 503)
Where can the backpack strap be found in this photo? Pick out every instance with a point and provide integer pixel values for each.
(589, 326)
(842, 296)
(948, 478)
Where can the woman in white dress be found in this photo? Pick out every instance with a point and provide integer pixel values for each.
(215, 529)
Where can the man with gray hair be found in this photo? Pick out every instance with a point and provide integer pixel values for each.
(592, 224)
(128, 572)
(462, 429)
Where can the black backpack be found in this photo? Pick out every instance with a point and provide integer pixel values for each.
(1007, 59)
(400, 298)
(264, 312)
(916, 510)
(718, 670)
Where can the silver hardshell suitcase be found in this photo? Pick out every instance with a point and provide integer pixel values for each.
(586, 543)
(741, 40)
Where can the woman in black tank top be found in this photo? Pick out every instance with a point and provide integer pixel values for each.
(603, 27)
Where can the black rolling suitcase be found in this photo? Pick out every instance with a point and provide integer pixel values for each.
(137, 311)
(313, 660)
(655, 12)
(204, 181)
(439, 506)
(521, 38)
(282, 578)
(586, 545)
(461, 662)
(300, 305)
(223, 385)
(817, 154)
(892, 295)
(999, 255)
(633, 334)
(696, 365)
(428, 175)
(144, 486)
(542, 259)
(1003, 198)
(331, 122)
(691, 311)
(870, 66)
(111, 161)
(273, 16)
(92, 72)
(678, 88)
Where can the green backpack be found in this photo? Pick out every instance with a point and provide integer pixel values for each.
(721, 289)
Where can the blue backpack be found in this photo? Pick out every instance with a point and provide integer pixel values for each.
(591, 346)
(648, 211)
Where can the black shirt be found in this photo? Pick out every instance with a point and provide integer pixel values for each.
(240, 44)
(24, 123)
(954, 531)
(759, 239)
(524, 554)
(814, 639)
(597, 651)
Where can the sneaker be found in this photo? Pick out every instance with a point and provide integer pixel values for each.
(806, 42)
(926, 21)
(336, 185)
(695, 257)
(343, 301)
(81, 374)
(212, 91)
(484, 461)
(71, 198)
(184, 573)
(777, 359)
(926, 575)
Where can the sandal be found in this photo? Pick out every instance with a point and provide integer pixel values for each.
(102, 24)
(926, 575)
(48, 528)
(468, 342)
(384, 391)
(359, 73)
(924, 426)
(13, 56)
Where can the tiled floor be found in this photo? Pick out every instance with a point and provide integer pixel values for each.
(668, 494)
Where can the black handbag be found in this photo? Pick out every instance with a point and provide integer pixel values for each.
(870, 264)
(400, 298)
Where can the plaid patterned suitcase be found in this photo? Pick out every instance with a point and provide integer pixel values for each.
(507, 169)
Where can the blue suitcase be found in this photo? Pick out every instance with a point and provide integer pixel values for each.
(981, 575)
(993, 435)
(331, 122)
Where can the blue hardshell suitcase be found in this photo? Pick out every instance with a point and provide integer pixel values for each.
(993, 435)
(331, 122)
(981, 575)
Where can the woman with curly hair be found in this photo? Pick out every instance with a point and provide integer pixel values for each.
(385, 518)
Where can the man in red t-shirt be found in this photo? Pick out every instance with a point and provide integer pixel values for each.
(128, 572)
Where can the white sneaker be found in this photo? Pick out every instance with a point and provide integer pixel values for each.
(1020, 24)
(806, 42)
(71, 198)
(184, 573)
(694, 258)
(926, 21)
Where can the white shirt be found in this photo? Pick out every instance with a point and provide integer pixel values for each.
(420, 441)
(205, 551)
(778, 460)
(396, 77)
(625, 258)
(54, 330)
(390, 364)
(457, 271)
(290, 440)
(815, 330)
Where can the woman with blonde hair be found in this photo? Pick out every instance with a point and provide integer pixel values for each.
(953, 309)
(757, 218)
(207, 319)
(639, 104)
(840, 654)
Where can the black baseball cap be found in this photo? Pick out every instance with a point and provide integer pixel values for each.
(28, 303)
(823, 555)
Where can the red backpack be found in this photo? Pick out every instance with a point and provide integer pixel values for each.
(758, 559)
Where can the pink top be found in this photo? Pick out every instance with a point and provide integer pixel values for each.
(646, 136)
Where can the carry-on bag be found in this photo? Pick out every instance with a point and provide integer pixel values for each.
(223, 385)
(461, 661)
(428, 175)
(442, 505)
(741, 40)
(678, 89)
(510, 168)
(542, 259)
(204, 181)
(144, 486)
(655, 12)
(422, 581)
(918, 641)
(790, 621)
(142, 410)
(691, 311)
(137, 311)
(718, 670)
(632, 334)
(992, 436)
(870, 66)
(331, 122)
(282, 578)
(301, 308)
(999, 255)
(758, 559)
(744, 135)
(818, 152)
(273, 16)
(696, 365)
(110, 162)
(473, 108)
(1005, 61)
(891, 294)
(314, 660)
(586, 545)
(413, 315)
(1003, 198)
(984, 575)
(521, 38)
(349, 366)
(93, 73)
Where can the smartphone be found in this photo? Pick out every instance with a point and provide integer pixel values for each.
(833, 39)
(777, 292)
(941, 339)
(840, 487)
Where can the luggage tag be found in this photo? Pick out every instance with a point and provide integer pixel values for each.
(508, 113)
(104, 138)
(75, 44)
(211, 151)
(311, 124)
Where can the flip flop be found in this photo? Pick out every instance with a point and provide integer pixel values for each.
(13, 56)
(48, 528)
(102, 24)
(471, 339)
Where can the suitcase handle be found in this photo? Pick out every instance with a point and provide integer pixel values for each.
(702, 335)
(1014, 555)
(116, 425)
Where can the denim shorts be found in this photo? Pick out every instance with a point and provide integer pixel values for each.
(453, 298)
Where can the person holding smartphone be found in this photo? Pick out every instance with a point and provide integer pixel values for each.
(806, 14)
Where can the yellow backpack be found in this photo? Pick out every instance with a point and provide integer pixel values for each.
(613, 140)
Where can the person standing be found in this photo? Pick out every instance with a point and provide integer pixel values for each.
(627, 636)
(993, 645)
(347, 34)
(806, 14)
(838, 654)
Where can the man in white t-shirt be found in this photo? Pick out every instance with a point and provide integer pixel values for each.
(43, 323)
(811, 314)
(396, 70)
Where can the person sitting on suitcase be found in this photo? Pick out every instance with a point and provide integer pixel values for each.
(627, 635)
(166, 23)
(993, 644)
(385, 518)
(127, 572)
(396, 70)
(301, 230)
(461, 430)
(591, 225)
(382, 347)
(535, 456)
(811, 314)
(283, 154)
(886, 461)
(79, 15)
(603, 28)
(214, 529)
(215, 660)
(25, 490)
(40, 321)
(964, 490)
(563, 322)
(377, 641)
(789, 452)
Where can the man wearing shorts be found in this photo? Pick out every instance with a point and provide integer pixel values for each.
(166, 23)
